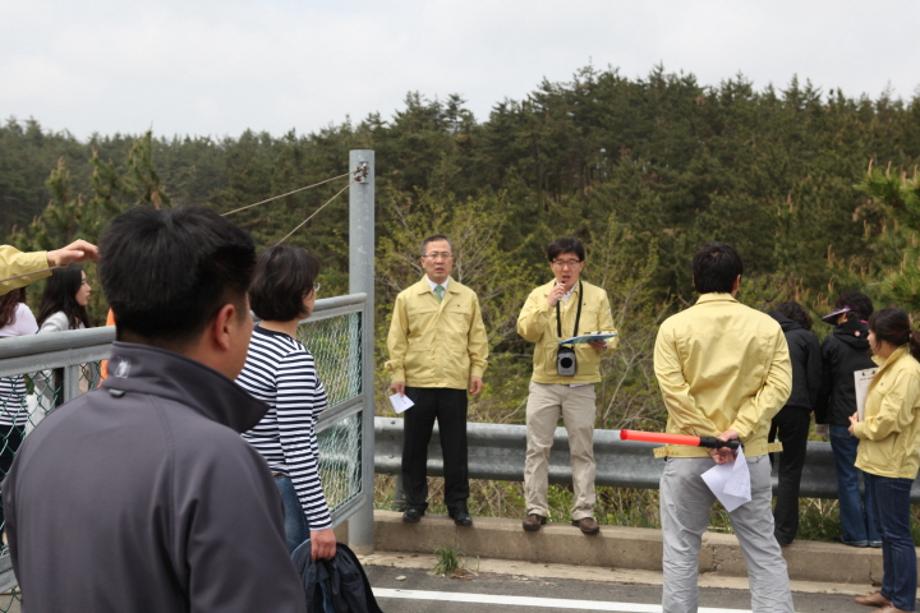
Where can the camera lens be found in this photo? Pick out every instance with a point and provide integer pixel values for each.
(566, 362)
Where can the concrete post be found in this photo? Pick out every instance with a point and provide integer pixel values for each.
(361, 279)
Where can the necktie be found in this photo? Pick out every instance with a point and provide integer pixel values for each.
(439, 292)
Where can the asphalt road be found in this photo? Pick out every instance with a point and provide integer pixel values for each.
(402, 590)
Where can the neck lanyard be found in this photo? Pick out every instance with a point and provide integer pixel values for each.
(577, 314)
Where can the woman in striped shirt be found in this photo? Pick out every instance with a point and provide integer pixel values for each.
(281, 372)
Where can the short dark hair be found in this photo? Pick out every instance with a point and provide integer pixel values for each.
(566, 244)
(893, 325)
(433, 238)
(284, 276)
(60, 295)
(166, 273)
(857, 302)
(715, 268)
(794, 311)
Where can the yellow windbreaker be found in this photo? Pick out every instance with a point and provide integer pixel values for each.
(722, 366)
(889, 435)
(14, 262)
(437, 344)
(537, 324)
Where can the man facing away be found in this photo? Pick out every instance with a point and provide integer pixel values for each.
(724, 371)
(844, 351)
(438, 349)
(141, 495)
(563, 380)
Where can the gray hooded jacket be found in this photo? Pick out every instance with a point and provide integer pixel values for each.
(141, 496)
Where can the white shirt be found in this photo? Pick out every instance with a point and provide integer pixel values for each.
(23, 323)
(434, 285)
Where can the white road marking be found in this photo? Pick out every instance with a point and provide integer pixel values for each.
(528, 601)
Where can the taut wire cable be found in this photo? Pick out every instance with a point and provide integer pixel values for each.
(290, 193)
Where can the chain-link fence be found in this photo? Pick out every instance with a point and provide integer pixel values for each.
(25, 399)
(38, 374)
(335, 342)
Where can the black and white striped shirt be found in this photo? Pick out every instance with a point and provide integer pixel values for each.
(281, 372)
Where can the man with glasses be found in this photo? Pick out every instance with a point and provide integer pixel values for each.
(438, 349)
(563, 380)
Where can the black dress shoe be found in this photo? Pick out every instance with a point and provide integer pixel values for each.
(412, 515)
(462, 518)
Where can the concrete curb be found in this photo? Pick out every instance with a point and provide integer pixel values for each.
(614, 547)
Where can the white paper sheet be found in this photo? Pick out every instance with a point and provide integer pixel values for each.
(731, 483)
(401, 403)
(861, 381)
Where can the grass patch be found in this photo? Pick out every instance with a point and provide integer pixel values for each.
(449, 561)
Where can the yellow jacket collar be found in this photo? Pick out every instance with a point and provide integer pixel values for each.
(716, 297)
(422, 287)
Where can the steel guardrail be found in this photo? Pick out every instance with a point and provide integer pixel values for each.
(496, 451)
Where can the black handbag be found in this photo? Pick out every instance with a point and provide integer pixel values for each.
(338, 585)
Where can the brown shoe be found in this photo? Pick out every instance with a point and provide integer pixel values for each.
(533, 522)
(873, 599)
(587, 525)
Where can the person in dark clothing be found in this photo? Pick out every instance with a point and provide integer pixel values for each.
(792, 422)
(844, 351)
(140, 495)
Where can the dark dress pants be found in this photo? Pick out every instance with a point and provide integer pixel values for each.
(791, 424)
(449, 407)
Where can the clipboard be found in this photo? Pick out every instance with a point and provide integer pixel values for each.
(590, 337)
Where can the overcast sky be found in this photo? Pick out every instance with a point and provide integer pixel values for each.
(206, 67)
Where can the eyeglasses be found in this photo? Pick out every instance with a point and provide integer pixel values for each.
(566, 263)
(438, 255)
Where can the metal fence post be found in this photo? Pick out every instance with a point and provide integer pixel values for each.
(361, 279)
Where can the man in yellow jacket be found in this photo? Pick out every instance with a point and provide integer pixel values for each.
(724, 371)
(18, 269)
(438, 350)
(563, 380)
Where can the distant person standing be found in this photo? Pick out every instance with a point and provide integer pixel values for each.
(724, 371)
(844, 351)
(889, 453)
(15, 320)
(562, 384)
(63, 307)
(63, 303)
(438, 350)
(792, 422)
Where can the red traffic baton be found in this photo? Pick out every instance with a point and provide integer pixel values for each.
(664, 438)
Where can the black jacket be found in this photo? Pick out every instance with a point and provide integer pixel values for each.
(805, 355)
(141, 496)
(844, 351)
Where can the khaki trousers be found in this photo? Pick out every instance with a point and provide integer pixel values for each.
(545, 404)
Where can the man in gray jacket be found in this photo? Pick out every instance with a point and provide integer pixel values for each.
(141, 495)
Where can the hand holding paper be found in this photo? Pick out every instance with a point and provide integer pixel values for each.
(731, 483)
(401, 403)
